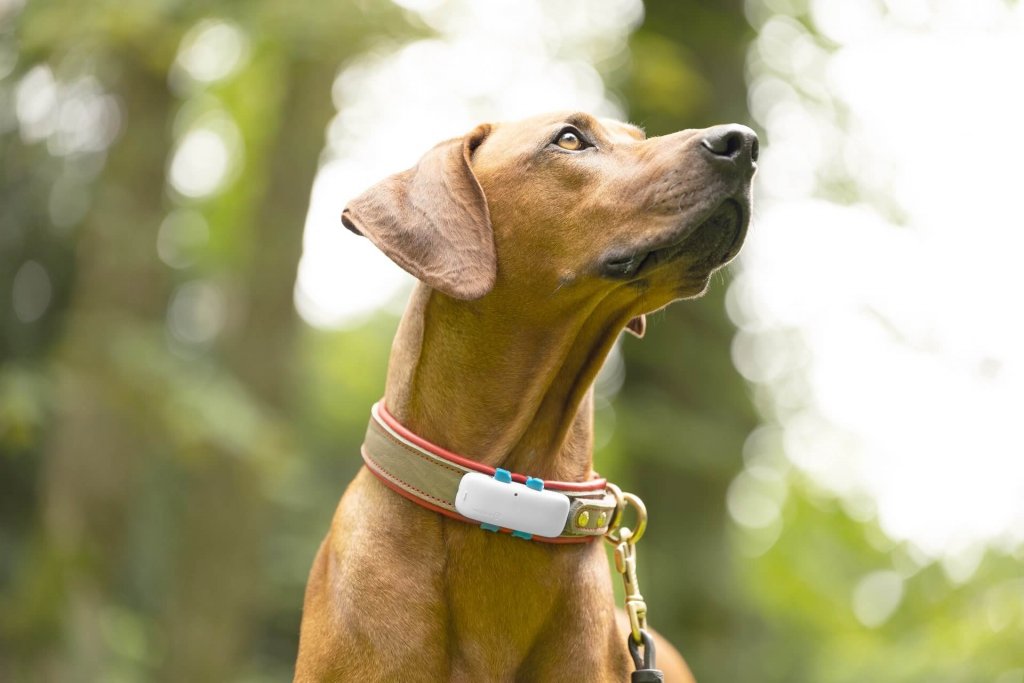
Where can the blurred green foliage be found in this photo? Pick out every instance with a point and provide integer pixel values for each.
(161, 498)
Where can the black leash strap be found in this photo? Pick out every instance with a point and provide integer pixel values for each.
(645, 671)
(624, 540)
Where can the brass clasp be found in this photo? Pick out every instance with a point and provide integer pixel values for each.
(625, 539)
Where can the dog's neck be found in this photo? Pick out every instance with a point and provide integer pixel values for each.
(497, 387)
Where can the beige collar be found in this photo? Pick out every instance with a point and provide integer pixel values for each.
(430, 476)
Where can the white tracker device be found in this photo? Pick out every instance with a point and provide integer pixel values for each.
(500, 502)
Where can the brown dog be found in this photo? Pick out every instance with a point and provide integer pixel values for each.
(535, 244)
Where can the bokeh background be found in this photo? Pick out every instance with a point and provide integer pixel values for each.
(829, 442)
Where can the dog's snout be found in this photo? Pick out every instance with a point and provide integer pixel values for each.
(731, 141)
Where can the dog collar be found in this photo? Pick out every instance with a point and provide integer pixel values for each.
(495, 499)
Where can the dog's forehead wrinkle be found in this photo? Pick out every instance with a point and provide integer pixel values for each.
(582, 119)
(585, 122)
(633, 131)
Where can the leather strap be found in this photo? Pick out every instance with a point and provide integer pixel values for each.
(429, 476)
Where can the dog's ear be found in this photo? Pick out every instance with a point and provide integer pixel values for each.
(637, 326)
(432, 220)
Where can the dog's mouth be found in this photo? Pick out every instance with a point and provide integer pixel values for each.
(712, 244)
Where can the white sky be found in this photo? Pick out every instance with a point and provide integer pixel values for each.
(890, 358)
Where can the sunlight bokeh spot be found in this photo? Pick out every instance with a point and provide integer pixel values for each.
(212, 50)
(876, 597)
(197, 312)
(205, 157)
(35, 102)
(755, 497)
(86, 120)
(31, 292)
(182, 234)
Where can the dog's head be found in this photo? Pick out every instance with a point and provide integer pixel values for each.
(566, 205)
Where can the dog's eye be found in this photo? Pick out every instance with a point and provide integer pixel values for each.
(570, 139)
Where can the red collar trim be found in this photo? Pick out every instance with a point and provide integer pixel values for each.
(592, 485)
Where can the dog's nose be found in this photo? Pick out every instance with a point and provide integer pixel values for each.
(731, 141)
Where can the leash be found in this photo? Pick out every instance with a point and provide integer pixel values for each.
(524, 507)
(624, 540)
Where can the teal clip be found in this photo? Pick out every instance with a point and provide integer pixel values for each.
(506, 477)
